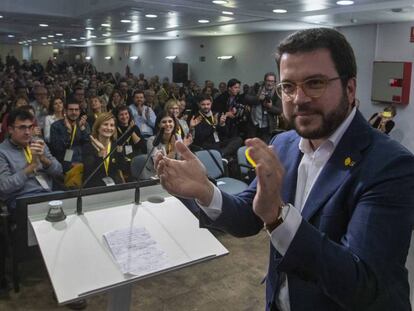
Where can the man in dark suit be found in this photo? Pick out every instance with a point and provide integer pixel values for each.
(335, 195)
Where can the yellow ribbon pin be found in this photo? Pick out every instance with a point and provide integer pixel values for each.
(349, 162)
(249, 159)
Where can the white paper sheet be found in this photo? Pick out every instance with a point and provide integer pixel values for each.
(135, 251)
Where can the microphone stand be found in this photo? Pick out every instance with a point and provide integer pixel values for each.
(155, 143)
(79, 197)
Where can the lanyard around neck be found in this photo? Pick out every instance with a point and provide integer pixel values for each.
(28, 154)
(106, 162)
(72, 139)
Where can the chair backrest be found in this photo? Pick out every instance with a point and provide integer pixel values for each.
(213, 162)
(137, 164)
(242, 161)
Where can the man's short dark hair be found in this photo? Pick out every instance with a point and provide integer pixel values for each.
(22, 114)
(139, 92)
(309, 40)
(232, 82)
(203, 97)
(71, 102)
(269, 74)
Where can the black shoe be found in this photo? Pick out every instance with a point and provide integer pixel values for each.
(77, 305)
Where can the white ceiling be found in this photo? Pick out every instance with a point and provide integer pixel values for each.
(179, 18)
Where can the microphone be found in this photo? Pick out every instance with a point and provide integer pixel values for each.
(119, 142)
(158, 138)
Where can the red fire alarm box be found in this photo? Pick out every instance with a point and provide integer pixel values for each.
(391, 82)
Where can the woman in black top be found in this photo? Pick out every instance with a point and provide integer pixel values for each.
(133, 144)
(103, 141)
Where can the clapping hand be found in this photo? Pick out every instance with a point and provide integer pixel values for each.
(100, 148)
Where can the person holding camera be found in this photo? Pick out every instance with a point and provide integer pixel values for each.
(231, 104)
(266, 111)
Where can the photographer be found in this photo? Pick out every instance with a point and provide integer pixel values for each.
(231, 104)
(266, 111)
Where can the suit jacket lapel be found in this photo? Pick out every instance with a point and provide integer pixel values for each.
(291, 170)
(344, 159)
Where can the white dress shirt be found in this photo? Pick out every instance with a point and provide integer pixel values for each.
(311, 165)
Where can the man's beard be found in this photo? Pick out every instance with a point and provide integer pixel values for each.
(330, 122)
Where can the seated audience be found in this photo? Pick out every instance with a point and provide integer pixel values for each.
(26, 165)
(144, 116)
(19, 102)
(57, 113)
(172, 106)
(133, 144)
(68, 135)
(95, 108)
(102, 142)
(167, 142)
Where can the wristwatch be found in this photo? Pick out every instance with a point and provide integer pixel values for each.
(284, 210)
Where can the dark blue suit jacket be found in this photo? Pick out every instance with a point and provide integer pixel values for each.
(350, 250)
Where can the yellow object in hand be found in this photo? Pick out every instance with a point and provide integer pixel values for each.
(249, 159)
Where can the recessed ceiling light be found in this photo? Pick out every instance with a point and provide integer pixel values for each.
(150, 28)
(62, 41)
(50, 43)
(82, 38)
(171, 13)
(59, 34)
(88, 57)
(151, 15)
(172, 26)
(92, 36)
(90, 28)
(227, 13)
(279, 11)
(106, 34)
(34, 40)
(1, 16)
(203, 21)
(108, 57)
(43, 38)
(43, 25)
(106, 25)
(171, 57)
(126, 21)
(133, 57)
(132, 31)
(220, 2)
(225, 57)
(29, 41)
(43, 43)
(74, 39)
(51, 36)
(344, 2)
(10, 36)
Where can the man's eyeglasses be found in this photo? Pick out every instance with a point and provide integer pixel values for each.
(24, 127)
(313, 87)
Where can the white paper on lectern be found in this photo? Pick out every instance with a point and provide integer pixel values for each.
(135, 251)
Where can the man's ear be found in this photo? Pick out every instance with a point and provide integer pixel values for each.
(351, 90)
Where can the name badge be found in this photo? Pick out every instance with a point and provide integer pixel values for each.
(41, 178)
(108, 181)
(216, 137)
(68, 155)
(128, 149)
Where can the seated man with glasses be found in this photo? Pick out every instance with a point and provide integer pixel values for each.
(335, 195)
(26, 165)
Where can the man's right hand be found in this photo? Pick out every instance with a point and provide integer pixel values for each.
(184, 178)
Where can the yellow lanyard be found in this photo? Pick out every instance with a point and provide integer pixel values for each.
(73, 135)
(28, 154)
(106, 162)
(179, 131)
(208, 121)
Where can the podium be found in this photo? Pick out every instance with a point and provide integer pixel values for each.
(80, 264)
